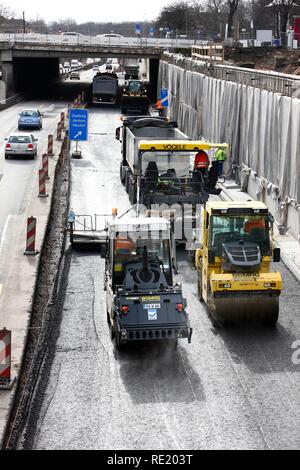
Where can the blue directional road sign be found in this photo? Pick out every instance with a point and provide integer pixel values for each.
(164, 97)
(138, 28)
(78, 128)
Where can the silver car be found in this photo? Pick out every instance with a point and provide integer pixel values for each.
(21, 145)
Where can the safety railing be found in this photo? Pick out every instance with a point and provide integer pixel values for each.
(60, 40)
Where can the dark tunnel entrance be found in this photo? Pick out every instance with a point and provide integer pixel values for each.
(30, 74)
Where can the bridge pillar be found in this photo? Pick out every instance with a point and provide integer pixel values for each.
(8, 78)
(153, 78)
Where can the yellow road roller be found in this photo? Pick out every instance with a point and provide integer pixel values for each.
(234, 263)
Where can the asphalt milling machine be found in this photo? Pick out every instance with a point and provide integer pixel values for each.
(143, 301)
(235, 279)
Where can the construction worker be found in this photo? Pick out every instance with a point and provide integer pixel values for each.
(220, 157)
(159, 107)
(255, 228)
(201, 162)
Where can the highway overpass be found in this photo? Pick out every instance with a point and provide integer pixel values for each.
(29, 59)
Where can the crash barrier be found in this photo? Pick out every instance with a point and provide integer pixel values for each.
(42, 183)
(45, 165)
(261, 128)
(59, 131)
(50, 146)
(30, 237)
(6, 382)
(211, 52)
(285, 84)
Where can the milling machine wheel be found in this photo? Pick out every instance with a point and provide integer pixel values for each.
(119, 345)
(200, 290)
(112, 331)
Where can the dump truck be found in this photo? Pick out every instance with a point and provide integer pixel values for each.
(105, 89)
(134, 129)
(142, 299)
(134, 98)
(233, 261)
(131, 68)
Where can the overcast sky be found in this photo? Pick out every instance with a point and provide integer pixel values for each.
(89, 10)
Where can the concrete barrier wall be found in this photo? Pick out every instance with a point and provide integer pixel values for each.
(261, 127)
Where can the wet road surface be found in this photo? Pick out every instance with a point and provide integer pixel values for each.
(234, 388)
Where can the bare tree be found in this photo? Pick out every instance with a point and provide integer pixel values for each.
(6, 12)
(233, 6)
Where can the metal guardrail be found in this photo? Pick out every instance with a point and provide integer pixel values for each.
(58, 40)
(284, 84)
(11, 101)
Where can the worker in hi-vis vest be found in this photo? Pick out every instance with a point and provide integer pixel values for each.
(220, 157)
(159, 107)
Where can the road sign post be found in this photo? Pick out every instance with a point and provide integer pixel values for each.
(78, 128)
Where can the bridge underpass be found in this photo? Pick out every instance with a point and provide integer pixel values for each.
(34, 76)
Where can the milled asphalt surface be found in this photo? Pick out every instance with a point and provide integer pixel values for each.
(234, 388)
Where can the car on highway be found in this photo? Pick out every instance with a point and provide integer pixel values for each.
(109, 35)
(21, 145)
(71, 33)
(30, 119)
(75, 75)
(96, 68)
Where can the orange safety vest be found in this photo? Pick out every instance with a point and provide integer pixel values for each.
(124, 246)
(159, 105)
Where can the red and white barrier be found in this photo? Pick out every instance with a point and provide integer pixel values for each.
(42, 183)
(5, 360)
(59, 131)
(45, 165)
(50, 146)
(62, 120)
(30, 237)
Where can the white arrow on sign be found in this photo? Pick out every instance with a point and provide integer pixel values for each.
(77, 135)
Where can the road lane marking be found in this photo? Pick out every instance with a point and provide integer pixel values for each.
(4, 233)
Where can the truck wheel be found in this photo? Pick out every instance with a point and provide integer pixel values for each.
(134, 195)
(127, 179)
(121, 172)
